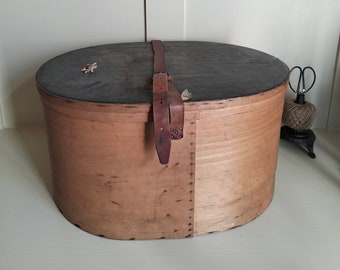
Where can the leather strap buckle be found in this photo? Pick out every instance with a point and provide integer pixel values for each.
(168, 107)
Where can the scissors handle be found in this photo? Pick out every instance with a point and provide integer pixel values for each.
(302, 80)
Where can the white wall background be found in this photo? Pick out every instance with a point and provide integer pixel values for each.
(299, 32)
(165, 19)
(31, 32)
(2, 80)
(334, 110)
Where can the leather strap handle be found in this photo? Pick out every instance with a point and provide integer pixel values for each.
(161, 117)
(158, 57)
(176, 108)
(168, 107)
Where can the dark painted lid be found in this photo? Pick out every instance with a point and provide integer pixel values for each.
(210, 71)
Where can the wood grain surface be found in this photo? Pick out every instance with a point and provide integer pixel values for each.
(236, 157)
(106, 174)
(108, 180)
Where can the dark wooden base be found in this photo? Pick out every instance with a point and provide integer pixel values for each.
(303, 138)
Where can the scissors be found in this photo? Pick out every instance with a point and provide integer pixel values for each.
(298, 89)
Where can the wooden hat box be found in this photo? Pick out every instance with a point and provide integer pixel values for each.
(107, 177)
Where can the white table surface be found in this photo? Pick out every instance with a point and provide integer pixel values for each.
(300, 229)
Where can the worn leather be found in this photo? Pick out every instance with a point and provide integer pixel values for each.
(168, 107)
(176, 108)
(158, 57)
(161, 117)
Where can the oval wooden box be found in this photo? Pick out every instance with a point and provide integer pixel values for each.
(106, 175)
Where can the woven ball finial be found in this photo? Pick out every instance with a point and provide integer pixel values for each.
(298, 116)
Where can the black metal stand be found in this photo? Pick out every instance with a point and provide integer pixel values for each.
(303, 138)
